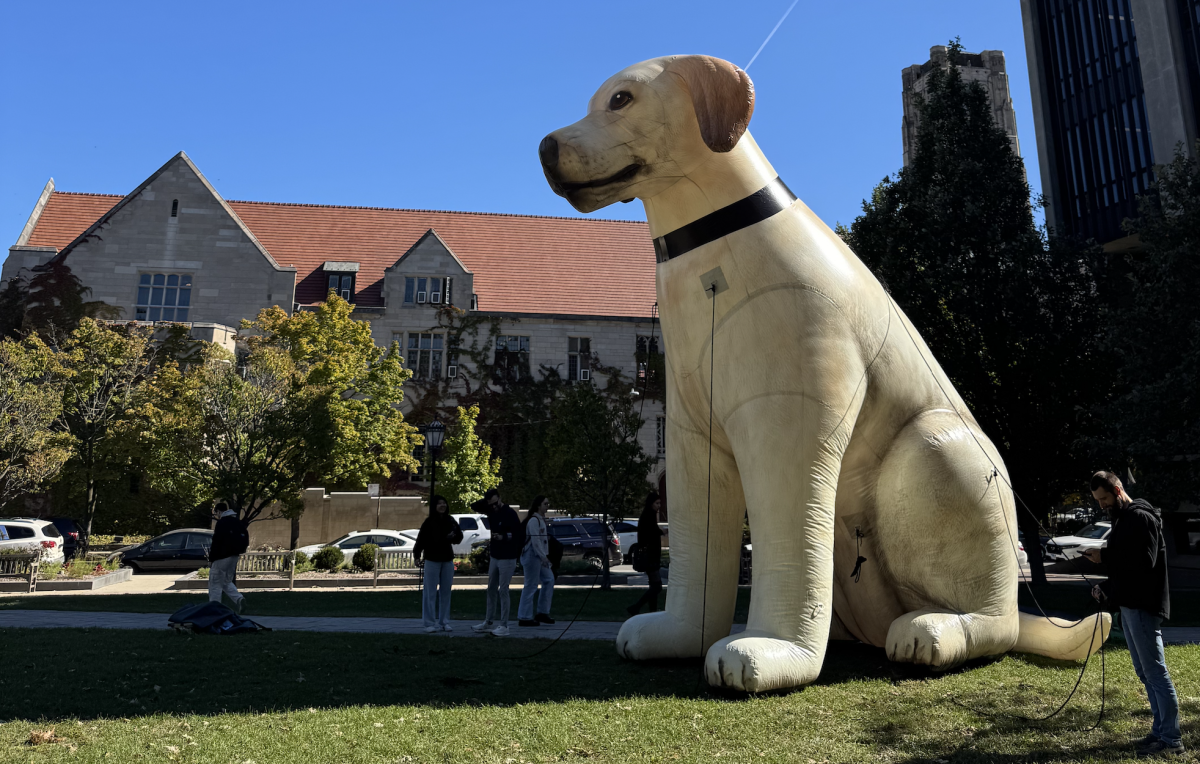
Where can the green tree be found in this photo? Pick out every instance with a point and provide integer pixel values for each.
(1153, 422)
(314, 400)
(595, 463)
(1010, 315)
(33, 447)
(102, 371)
(467, 471)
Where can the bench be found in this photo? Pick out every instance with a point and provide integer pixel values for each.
(24, 566)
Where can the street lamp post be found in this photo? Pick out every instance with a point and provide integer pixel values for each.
(435, 433)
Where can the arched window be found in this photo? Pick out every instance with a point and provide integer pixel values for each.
(174, 208)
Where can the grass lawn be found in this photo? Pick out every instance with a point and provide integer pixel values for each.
(466, 603)
(316, 698)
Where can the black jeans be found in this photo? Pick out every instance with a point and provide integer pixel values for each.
(651, 596)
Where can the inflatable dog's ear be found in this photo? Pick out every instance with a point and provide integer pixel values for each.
(722, 95)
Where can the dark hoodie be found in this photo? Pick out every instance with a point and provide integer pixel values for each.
(1136, 561)
(508, 535)
(230, 538)
(437, 537)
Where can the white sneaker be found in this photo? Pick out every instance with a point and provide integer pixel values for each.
(431, 629)
(486, 626)
(500, 631)
(447, 627)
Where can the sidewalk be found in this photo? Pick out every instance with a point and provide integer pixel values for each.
(599, 630)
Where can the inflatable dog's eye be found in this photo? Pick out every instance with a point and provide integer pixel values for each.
(619, 100)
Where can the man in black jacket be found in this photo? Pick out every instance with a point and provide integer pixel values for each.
(1136, 562)
(230, 539)
(507, 539)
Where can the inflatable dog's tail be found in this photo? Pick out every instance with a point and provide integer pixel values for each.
(1062, 640)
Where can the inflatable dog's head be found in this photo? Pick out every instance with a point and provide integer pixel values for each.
(647, 127)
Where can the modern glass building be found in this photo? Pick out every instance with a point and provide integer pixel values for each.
(1114, 84)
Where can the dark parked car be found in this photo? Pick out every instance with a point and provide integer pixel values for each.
(184, 549)
(584, 538)
(72, 533)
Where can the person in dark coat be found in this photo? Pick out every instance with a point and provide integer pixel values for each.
(436, 539)
(230, 539)
(508, 536)
(647, 557)
(1135, 560)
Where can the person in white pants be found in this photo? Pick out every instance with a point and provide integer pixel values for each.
(230, 539)
(535, 562)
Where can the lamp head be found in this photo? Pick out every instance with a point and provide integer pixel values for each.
(435, 433)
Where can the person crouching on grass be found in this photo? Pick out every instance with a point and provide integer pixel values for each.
(230, 539)
(436, 539)
(535, 562)
(1136, 563)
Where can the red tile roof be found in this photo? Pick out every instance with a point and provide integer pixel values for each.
(521, 263)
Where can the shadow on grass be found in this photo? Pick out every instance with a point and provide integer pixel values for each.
(55, 674)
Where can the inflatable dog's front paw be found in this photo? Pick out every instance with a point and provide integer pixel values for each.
(752, 662)
(657, 635)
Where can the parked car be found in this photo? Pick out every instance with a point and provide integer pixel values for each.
(386, 540)
(475, 528)
(1089, 537)
(72, 533)
(183, 549)
(626, 537)
(34, 535)
(586, 538)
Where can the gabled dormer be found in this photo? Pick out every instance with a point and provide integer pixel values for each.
(429, 275)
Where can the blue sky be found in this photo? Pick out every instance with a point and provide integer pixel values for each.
(442, 105)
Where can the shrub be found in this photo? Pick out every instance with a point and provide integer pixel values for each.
(576, 567)
(364, 558)
(328, 558)
(480, 558)
(202, 573)
(301, 558)
(48, 571)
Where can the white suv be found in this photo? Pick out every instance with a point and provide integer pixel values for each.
(33, 535)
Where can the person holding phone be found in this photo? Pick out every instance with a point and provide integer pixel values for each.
(1135, 560)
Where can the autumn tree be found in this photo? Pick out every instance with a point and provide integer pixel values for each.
(101, 372)
(467, 470)
(33, 447)
(315, 398)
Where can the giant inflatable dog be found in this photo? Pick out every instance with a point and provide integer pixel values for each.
(830, 416)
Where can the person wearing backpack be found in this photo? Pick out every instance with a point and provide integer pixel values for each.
(436, 539)
(647, 555)
(230, 539)
(536, 564)
(1135, 560)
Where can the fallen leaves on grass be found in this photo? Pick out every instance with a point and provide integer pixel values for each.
(42, 737)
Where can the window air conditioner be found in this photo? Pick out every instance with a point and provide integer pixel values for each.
(421, 298)
(451, 372)
(435, 298)
(585, 375)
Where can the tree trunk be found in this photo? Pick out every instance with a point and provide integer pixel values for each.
(90, 514)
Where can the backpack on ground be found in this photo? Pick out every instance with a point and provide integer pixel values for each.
(211, 618)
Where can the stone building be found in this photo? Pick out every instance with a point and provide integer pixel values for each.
(570, 294)
(1116, 90)
(986, 68)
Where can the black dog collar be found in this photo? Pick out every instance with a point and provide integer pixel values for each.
(762, 204)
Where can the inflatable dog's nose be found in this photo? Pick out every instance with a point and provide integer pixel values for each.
(548, 152)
